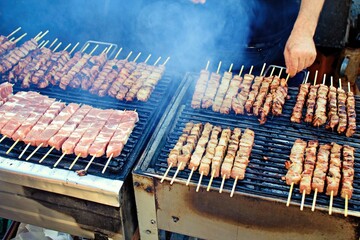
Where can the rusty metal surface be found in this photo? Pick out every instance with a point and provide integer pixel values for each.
(211, 215)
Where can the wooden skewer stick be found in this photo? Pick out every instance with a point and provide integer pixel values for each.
(219, 66)
(15, 31)
(331, 81)
(314, 200)
(52, 44)
(107, 164)
(222, 184)
(287, 77)
(117, 54)
(281, 69)
(166, 173)
(207, 65)
(315, 78)
(32, 154)
(262, 70)
(57, 46)
(231, 66)
(324, 79)
(199, 183)
(12, 146)
(234, 186)
(39, 46)
(43, 35)
(272, 71)
(211, 180)
(74, 48)
(302, 200)
(12, 39)
(241, 70)
(91, 160)
(251, 69)
(46, 154)
(23, 152)
(128, 55)
(137, 57)
(3, 138)
(340, 83)
(104, 51)
(60, 158)
(349, 89)
(67, 47)
(94, 49)
(190, 176)
(331, 202)
(176, 173)
(346, 205)
(147, 59)
(166, 61)
(45, 44)
(74, 162)
(108, 49)
(157, 61)
(21, 37)
(86, 46)
(307, 77)
(290, 193)
(37, 35)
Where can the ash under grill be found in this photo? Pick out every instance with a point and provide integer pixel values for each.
(273, 142)
(120, 166)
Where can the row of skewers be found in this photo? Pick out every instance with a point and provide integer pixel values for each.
(40, 121)
(35, 64)
(312, 164)
(253, 95)
(212, 151)
(329, 106)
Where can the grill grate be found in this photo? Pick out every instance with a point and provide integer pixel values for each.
(120, 166)
(272, 140)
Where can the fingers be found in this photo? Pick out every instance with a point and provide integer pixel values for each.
(291, 63)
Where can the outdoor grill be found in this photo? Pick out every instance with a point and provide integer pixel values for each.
(100, 203)
(257, 210)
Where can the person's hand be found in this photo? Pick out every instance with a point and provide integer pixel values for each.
(199, 1)
(299, 53)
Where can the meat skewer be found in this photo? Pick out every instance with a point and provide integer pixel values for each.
(351, 113)
(333, 117)
(234, 86)
(295, 166)
(320, 110)
(264, 89)
(238, 102)
(212, 86)
(280, 97)
(265, 109)
(311, 101)
(221, 91)
(176, 151)
(300, 101)
(342, 109)
(334, 175)
(199, 150)
(254, 91)
(348, 175)
(309, 165)
(322, 165)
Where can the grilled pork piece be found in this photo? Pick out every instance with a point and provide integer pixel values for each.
(149, 85)
(125, 72)
(350, 106)
(200, 89)
(238, 102)
(320, 112)
(333, 176)
(342, 111)
(231, 153)
(310, 103)
(223, 88)
(176, 151)
(295, 165)
(261, 97)
(6, 89)
(111, 77)
(309, 165)
(230, 94)
(348, 172)
(212, 86)
(200, 147)
(220, 151)
(321, 168)
(280, 97)
(129, 82)
(243, 155)
(300, 101)
(253, 93)
(6, 46)
(333, 117)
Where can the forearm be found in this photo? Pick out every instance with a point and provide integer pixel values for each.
(308, 16)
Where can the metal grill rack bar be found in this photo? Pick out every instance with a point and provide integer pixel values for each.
(273, 142)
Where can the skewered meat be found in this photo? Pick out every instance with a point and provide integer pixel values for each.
(210, 92)
(238, 102)
(200, 89)
(176, 151)
(231, 93)
(149, 84)
(310, 104)
(350, 105)
(320, 112)
(220, 151)
(333, 117)
(253, 94)
(231, 153)
(348, 172)
(200, 147)
(342, 111)
(333, 177)
(321, 168)
(309, 165)
(295, 165)
(223, 88)
(300, 101)
(243, 155)
(280, 97)
(261, 97)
